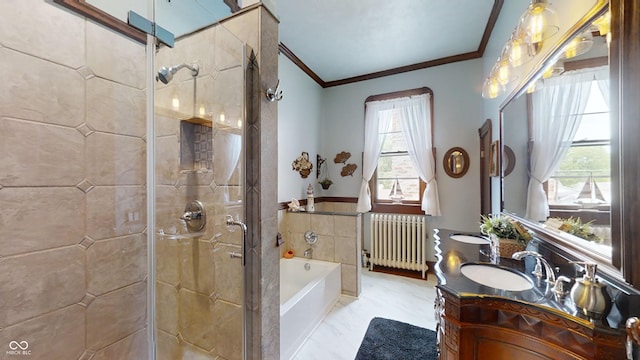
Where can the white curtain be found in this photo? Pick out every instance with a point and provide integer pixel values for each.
(601, 76)
(377, 118)
(557, 112)
(415, 118)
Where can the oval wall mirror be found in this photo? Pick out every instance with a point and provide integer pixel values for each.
(456, 162)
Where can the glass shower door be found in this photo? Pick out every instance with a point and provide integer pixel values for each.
(198, 272)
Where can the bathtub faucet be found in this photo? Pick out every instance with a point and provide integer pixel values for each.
(308, 253)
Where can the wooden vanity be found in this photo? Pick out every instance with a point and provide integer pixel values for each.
(476, 321)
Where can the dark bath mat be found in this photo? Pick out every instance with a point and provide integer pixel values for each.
(394, 340)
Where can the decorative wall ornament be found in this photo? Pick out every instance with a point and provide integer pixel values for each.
(342, 158)
(302, 165)
(348, 170)
(319, 161)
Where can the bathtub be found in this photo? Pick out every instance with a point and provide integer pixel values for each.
(306, 296)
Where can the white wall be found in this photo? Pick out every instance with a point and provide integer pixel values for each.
(457, 113)
(333, 118)
(299, 128)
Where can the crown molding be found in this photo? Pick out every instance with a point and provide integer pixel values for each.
(493, 17)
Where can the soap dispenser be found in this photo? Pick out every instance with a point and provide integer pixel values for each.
(589, 295)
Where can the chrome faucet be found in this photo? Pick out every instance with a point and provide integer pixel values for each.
(537, 270)
(308, 253)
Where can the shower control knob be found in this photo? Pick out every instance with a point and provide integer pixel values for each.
(194, 216)
(191, 215)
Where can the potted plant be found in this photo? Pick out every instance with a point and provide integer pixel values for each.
(576, 227)
(325, 183)
(508, 234)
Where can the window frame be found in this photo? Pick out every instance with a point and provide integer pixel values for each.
(407, 207)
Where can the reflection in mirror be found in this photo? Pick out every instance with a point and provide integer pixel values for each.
(456, 162)
(508, 160)
(559, 129)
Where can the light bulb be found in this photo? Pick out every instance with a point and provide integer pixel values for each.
(503, 72)
(537, 24)
(604, 24)
(547, 72)
(175, 102)
(240, 123)
(572, 49)
(221, 117)
(516, 53)
(491, 88)
(201, 110)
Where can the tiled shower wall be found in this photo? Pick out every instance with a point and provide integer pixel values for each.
(259, 29)
(198, 285)
(73, 263)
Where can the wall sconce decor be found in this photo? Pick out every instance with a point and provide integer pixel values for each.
(319, 162)
(302, 165)
(342, 157)
(348, 170)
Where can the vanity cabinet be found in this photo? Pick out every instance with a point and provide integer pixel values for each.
(476, 321)
(490, 328)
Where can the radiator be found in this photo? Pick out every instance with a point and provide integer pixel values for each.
(399, 241)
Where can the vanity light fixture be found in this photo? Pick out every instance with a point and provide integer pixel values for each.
(539, 23)
(536, 25)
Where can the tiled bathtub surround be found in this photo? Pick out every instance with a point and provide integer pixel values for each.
(339, 239)
(72, 186)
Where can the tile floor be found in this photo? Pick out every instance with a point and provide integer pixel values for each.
(339, 335)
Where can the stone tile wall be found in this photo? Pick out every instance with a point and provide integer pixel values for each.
(198, 285)
(339, 232)
(258, 28)
(73, 254)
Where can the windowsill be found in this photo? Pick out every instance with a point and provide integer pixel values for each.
(413, 209)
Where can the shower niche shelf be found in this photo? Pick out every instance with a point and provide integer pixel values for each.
(196, 146)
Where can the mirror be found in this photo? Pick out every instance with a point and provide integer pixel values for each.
(456, 162)
(558, 126)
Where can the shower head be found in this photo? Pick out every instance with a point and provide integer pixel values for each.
(166, 74)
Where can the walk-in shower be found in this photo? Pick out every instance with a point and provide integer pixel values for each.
(166, 74)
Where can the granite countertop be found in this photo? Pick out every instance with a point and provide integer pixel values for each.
(451, 254)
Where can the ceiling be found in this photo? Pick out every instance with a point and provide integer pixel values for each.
(343, 41)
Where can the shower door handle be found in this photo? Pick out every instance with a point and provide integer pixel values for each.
(232, 222)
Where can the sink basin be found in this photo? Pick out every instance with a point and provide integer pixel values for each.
(496, 277)
(469, 239)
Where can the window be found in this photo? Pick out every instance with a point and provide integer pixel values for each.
(398, 154)
(583, 179)
(396, 180)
